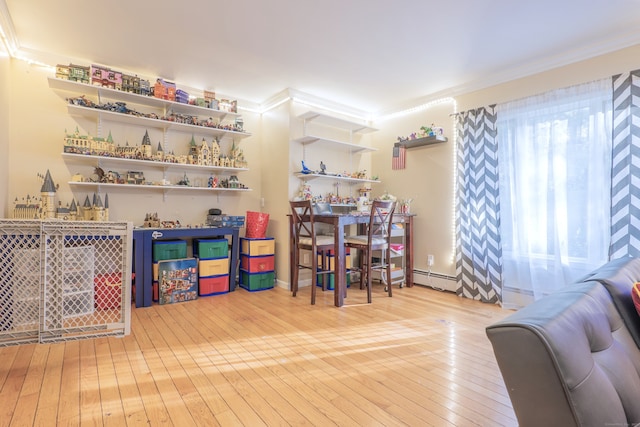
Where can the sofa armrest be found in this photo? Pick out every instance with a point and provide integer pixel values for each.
(568, 360)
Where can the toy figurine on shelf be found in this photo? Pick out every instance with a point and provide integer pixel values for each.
(305, 192)
(323, 168)
(305, 169)
(184, 181)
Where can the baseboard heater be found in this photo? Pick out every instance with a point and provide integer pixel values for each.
(441, 282)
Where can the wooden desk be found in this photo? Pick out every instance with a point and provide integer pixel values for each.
(339, 223)
(143, 256)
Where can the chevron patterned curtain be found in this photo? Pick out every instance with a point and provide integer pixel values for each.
(625, 190)
(478, 249)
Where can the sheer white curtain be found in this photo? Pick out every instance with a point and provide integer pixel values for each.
(554, 155)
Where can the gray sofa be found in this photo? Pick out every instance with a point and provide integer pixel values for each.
(573, 358)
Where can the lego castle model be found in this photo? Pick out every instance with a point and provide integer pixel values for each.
(204, 154)
(44, 207)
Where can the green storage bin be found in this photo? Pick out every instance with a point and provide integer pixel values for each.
(210, 248)
(331, 280)
(256, 281)
(169, 249)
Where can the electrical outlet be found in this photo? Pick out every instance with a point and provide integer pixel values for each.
(430, 260)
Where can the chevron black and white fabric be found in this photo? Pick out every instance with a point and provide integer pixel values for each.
(478, 255)
(625, 172)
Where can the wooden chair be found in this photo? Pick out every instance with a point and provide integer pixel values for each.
(305, 238)
(376, 239)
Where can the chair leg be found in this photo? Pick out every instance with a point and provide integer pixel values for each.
(361, 264)
(369, 281)
(388, 270)
(314, 277)
(295, 271)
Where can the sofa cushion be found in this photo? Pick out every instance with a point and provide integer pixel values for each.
(618, 277)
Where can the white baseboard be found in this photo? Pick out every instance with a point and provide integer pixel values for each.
(437, 281)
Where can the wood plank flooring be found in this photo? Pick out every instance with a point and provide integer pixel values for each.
(420, 358)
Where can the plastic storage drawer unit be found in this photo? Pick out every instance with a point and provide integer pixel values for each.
(331, 280)
(213, 267)
(169, 249)
(256, 281)
(257, 247)
(257, 264)
(210, 248)
(213, 285)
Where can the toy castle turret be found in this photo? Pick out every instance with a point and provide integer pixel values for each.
(48, 193)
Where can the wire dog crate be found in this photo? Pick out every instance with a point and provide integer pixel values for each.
(64, 280)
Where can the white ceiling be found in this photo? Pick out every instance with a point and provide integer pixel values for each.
(370, 55)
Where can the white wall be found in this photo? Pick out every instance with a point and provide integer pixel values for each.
(5, 120)
(427, 179)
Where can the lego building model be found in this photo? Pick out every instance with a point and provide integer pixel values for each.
(204, 154)
(45, 206)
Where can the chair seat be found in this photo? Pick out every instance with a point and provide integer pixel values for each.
(320, 241)
(363, 240)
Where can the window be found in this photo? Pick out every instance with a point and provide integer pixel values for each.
(554, 154)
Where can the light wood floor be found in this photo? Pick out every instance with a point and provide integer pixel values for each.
(265, 358)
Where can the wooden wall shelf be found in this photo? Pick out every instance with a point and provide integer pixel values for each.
(420, 142)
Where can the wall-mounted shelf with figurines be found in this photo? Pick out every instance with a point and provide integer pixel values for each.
(203, 158)
(428, 135)
(354, 177)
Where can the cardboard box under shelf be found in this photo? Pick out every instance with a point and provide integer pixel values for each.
(177, 280)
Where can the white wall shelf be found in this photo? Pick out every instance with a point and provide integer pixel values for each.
(162, 108)
(327, 120)
(152, 187)
(165, 166)
(353, 148)
(107, 93)
(310, 176)
(112, 116)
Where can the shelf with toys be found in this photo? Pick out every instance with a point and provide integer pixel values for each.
(112, 116)
(132, 161)
(99, 186)
(105, 93)
(100, 161)
(348, 179)
(325, 134)
(125, 165)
